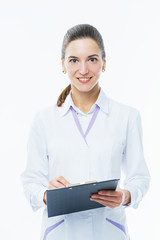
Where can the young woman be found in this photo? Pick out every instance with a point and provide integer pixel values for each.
(86, 136)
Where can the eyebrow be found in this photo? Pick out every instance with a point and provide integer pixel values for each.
(93, 55)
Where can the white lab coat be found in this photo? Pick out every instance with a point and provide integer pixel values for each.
(56, 148)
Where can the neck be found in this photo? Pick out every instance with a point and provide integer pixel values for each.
(85, 100)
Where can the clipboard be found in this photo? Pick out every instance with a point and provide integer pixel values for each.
(76, 198)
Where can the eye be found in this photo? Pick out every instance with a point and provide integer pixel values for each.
(73, 60)
(93, 59)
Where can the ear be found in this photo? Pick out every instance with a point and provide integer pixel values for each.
(104, 64)
(63, 65)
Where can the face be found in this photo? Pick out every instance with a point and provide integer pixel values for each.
(84, 63)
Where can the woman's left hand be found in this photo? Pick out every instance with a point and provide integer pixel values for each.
(112, 199)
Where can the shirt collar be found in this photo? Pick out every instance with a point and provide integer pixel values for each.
(102, 102)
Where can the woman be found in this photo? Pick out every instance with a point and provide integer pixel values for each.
(86, 136)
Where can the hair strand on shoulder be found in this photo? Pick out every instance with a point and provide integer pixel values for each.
(63, 95)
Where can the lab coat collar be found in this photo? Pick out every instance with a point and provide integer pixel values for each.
(102, 102)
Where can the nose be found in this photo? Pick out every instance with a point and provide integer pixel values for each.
(83, 69)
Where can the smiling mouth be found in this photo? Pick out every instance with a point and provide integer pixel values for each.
(84, 79)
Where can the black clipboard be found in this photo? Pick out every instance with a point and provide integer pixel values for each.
(76, 198)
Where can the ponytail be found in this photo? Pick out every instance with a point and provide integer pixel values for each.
(63, 95)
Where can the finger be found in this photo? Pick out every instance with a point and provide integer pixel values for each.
(110, 193)
(116, 199)
(106, 203)
(55, 184)
(118, 189)
(62, 180)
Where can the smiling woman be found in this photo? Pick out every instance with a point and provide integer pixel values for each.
(84, 63)
(86, 136)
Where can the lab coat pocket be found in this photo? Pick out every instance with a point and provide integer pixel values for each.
(54, 230)
(115, 224)
(120, 227)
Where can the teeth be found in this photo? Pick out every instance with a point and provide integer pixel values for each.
(84, 79)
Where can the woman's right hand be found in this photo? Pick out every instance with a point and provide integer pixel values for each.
(57, 182)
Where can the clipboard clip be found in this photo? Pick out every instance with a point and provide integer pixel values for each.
(77, 184)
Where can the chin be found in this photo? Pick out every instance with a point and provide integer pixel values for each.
(86, 89)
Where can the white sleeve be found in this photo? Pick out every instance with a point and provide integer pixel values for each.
(35, 177)
(137, 176)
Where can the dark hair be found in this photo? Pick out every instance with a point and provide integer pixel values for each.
(78, 32)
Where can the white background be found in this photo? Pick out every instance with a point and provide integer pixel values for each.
(31, 79)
